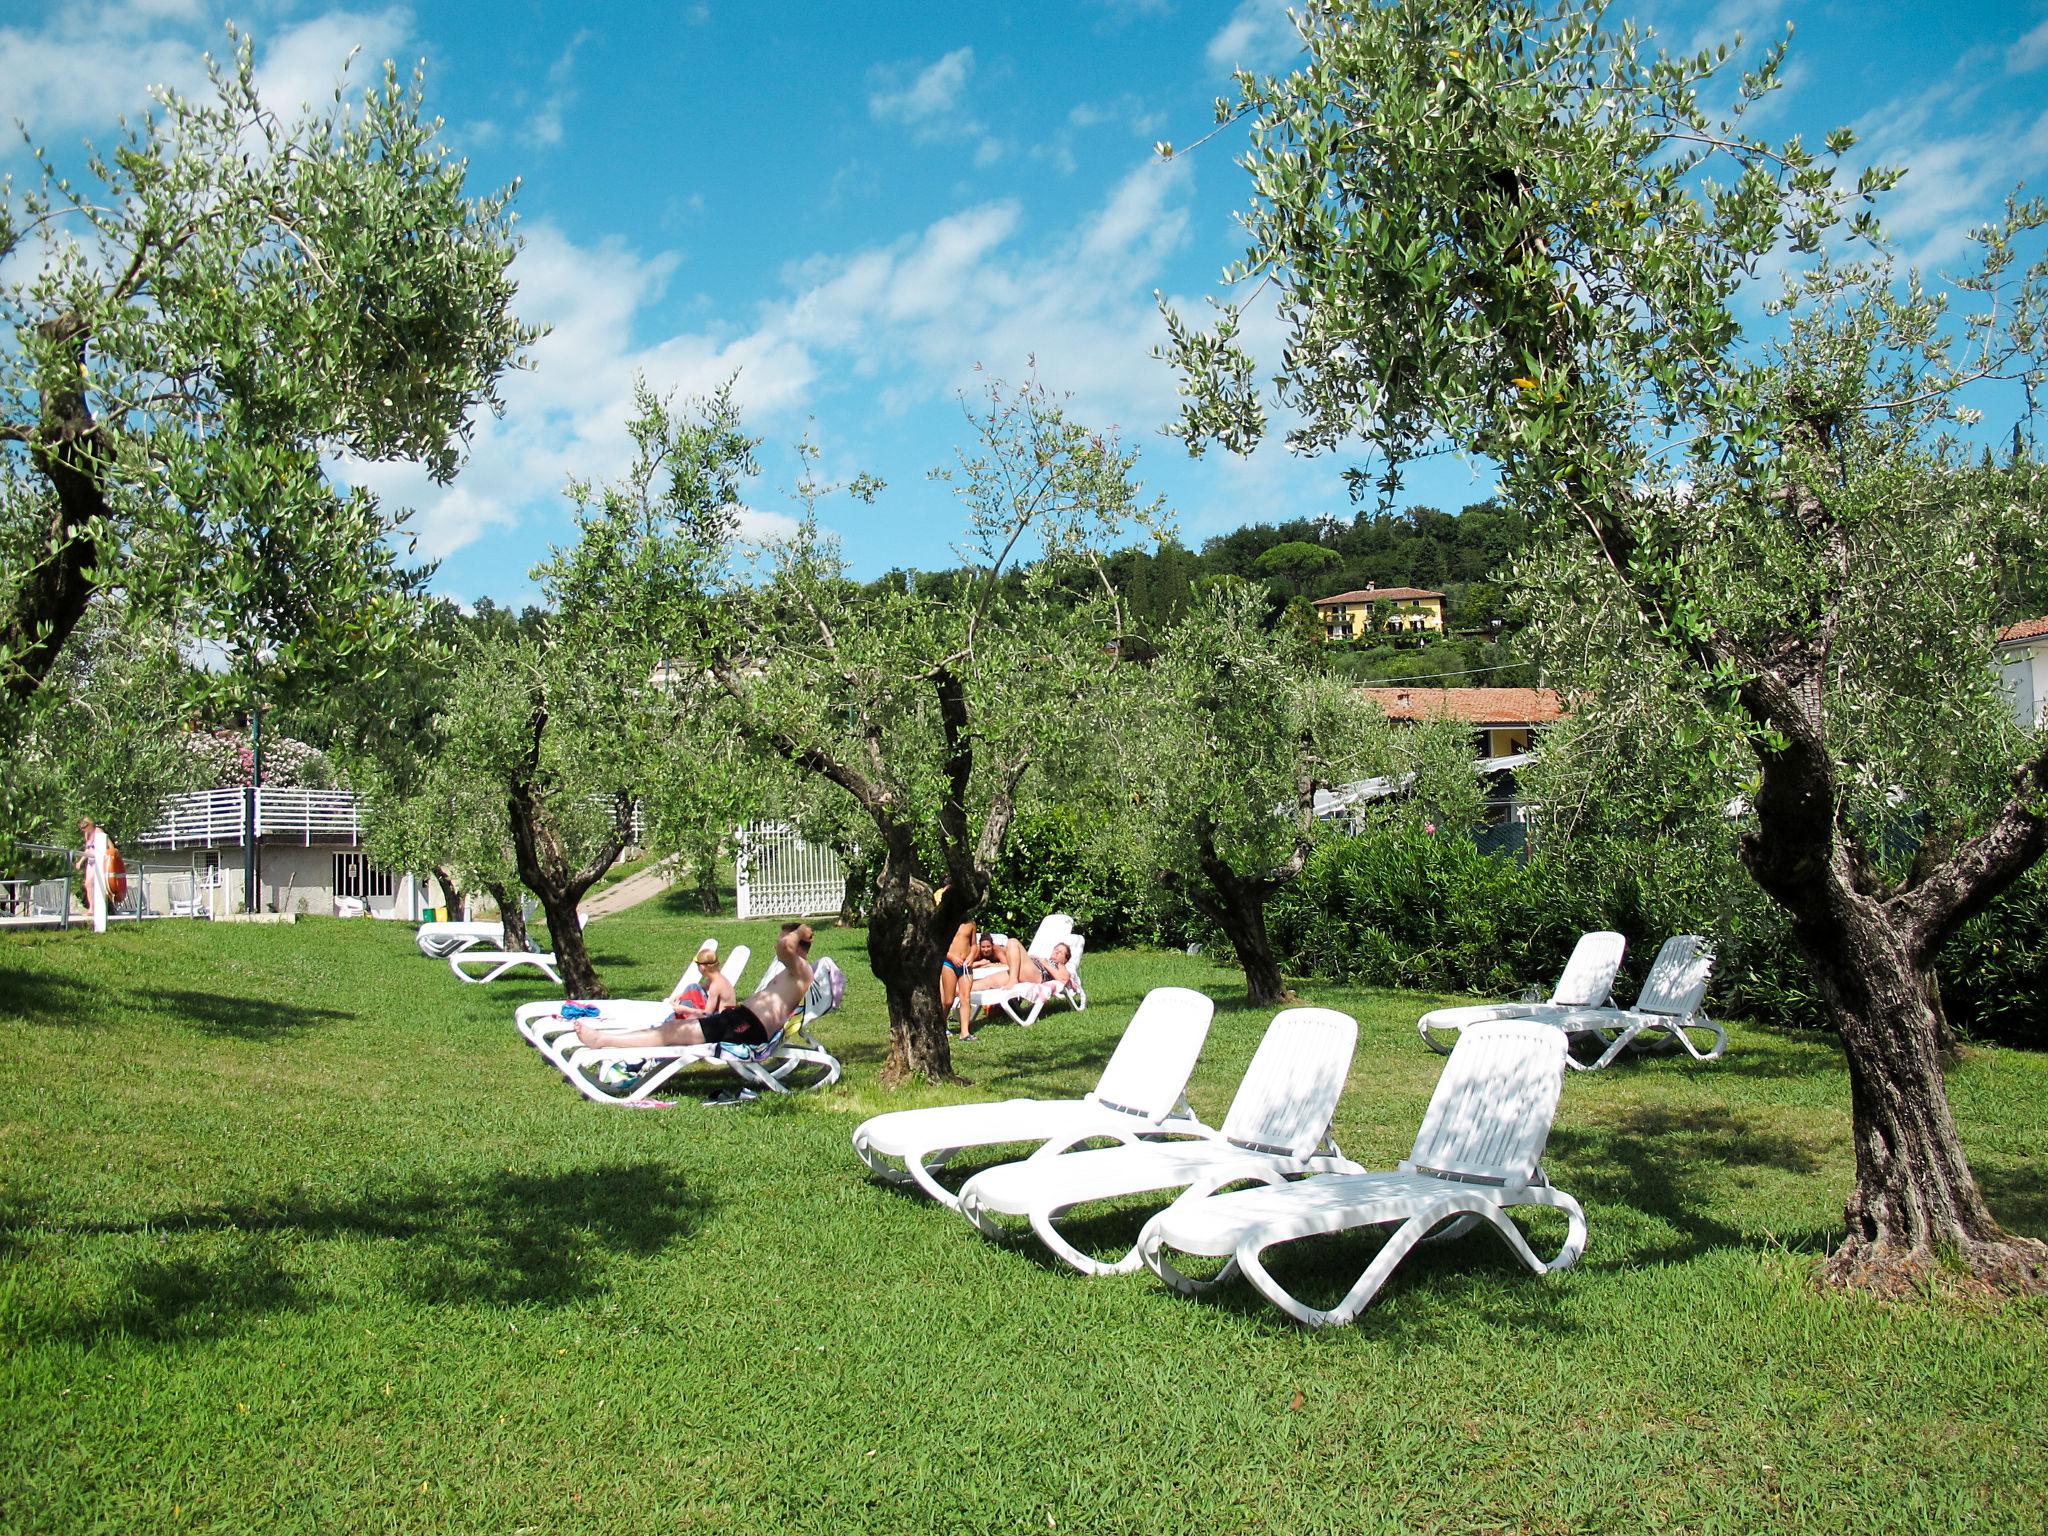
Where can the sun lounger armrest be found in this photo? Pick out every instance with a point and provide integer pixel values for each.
(1463, 1176)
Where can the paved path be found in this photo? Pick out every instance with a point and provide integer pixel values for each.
(630, 892)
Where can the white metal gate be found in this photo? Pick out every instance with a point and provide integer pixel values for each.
(781, 875)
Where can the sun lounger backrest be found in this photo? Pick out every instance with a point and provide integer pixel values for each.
(1677, 983)
(736, 967)
(1290, 1090)
(1150, 1066)
(1056, 929)
(1490, 1115)
(1589, 975)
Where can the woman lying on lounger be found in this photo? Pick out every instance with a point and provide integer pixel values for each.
(748, 1023)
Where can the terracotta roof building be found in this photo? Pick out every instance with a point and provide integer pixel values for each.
(1506, 719)
(1399, 610)
(2023, 665)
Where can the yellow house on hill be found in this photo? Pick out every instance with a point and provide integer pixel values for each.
(1380, 610)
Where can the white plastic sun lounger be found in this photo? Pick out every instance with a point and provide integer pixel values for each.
(1587, 980)
(1478, 1154)
(1667, 1011)
(771, 1067)
(1278, 1128)
(1140, 1093)
(501, 961)
(440, 940)
(542, 1021)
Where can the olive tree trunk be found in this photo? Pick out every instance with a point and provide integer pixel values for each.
(1916, 1214)
(512, 912)
(1236, 903)
(907, 939)
(545, 867)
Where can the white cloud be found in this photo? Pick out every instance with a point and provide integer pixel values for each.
(758, 527)
(302, 65)
(543, 126)
(894, 327)
(1259, 37)
(86, 66)
(932, 93)
(2030, 52)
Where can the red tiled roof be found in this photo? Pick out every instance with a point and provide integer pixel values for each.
(2026, 629)
(1377, 595)
(1476, 706)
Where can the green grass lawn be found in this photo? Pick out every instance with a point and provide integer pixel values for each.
(297, 1235)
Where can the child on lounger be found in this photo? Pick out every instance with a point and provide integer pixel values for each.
(712, 990)
(748, 1023)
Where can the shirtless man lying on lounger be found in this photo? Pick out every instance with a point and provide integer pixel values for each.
(747, 1023)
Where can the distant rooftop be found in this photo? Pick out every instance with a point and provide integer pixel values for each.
(1377, 595)
(1475, 706)
(2026, 629)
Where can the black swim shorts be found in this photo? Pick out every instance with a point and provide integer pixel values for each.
(739, 1024)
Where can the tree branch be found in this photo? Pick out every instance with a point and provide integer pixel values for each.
(1972, 877)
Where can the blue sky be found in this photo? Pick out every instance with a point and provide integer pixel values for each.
(855, 208)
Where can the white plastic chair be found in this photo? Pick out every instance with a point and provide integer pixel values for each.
(1141, 1093)
(501, 961)
(1478, 1154)
(1587, 980)
(1278, 1128)
(770, 1067)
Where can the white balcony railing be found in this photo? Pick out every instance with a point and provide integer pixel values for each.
(210, 817)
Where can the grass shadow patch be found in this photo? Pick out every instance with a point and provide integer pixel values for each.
(1659, 1160)
(237, 1018)
(45, 997)
(502, 1239)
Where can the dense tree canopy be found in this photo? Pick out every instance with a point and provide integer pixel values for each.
(191, 327)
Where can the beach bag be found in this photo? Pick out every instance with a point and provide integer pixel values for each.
(117, 873)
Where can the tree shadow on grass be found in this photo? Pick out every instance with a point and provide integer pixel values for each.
(502, 1239)
(1655, 1159)
(236, 1018)
(2016, 1195)
(44, 998)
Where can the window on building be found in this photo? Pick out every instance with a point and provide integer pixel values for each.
(355, 875)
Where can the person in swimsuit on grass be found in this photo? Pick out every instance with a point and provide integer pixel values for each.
(953, 969)
(749, 1023)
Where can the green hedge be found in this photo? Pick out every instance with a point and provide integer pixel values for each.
(1402, 907)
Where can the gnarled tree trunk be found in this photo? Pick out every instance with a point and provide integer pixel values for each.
(907, 936)
(545, 869)
(458, 903)
(1236, 903)
(1915, 1215)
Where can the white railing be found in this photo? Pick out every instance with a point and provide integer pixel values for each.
(310, 815)
(199, 819)
(781, 875)
(212, 816)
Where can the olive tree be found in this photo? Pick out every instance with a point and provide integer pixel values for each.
(926, 705)
(1219, 748)
(216, 305)
(1512, 228)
